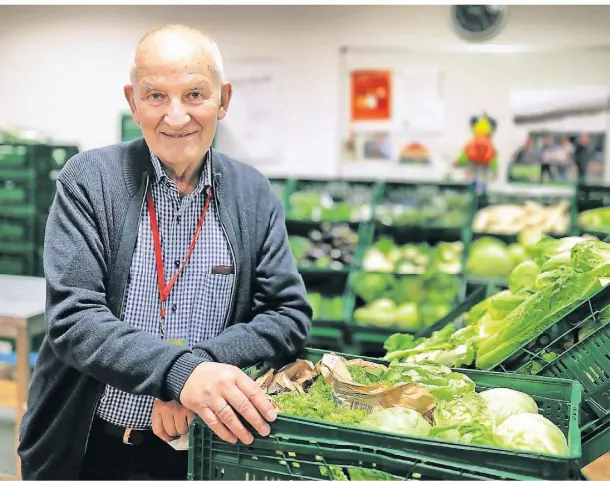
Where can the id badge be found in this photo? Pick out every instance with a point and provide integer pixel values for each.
(178, 342)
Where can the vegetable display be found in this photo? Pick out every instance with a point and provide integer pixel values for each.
(331, 246)
(406, 205)
(491, 257)
(327, 308)
(562, 274)
(423, 400)
(385, 256)
(513, 218)
(331, 201)
(406, 302)
(596, 220)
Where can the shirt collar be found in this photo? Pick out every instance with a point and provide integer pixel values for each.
(205, 179)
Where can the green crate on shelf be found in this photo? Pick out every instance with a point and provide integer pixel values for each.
(17, 264)
(595, 438)
(315, 450)
(445, 206)
(41, 158)
(331, 200)
(16, 229)
(393, 270)
(575, 346)
(25, 191)
(326, 245)
(129, 129)
(589, 197)
(328, 296)
(499, 198)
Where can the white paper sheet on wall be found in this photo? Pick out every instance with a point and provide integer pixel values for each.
(251, 131)
(423, 108)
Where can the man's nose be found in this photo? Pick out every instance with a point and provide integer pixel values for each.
(176, 117)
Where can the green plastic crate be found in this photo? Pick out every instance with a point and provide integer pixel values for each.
(590, 196)
(586, 361)
(332, 200)
(328, 330)
(25, 188)
(303, 449)
(17, 264)
(16, 229)
(496, 198)
(369, 339)
(307, 229)
(129, 129)
(41, 158)
(595, 440)
(445, 206)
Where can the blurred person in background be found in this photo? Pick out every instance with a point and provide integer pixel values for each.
(564, 158)
(546, 159)
(168, 269)
(582, 155)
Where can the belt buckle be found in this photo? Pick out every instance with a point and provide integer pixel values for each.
(127, 435)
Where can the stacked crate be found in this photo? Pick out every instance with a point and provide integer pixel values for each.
(27, 187)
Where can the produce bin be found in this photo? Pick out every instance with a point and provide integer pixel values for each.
(370, 340)
(331, 304)
(595, 438)
(17, 264)
(444, 206)
(327, 245)
(402, 286)
(591, 197)
(21, 230)
(37, 157)
(559, 221)
(576, 347)
(129, 129)
(303, 449)
(25, 192)
(331, 200)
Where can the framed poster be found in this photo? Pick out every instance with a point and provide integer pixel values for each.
(371, 95)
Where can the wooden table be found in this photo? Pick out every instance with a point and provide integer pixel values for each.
(22, 305)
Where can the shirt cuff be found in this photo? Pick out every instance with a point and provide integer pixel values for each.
(181, 370)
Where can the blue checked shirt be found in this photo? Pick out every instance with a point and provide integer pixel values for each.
(198, 304)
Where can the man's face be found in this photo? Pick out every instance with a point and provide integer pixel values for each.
(177, 100)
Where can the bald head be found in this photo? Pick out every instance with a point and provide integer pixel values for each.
(178, 43)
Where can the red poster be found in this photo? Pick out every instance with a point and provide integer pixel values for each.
(370, 95)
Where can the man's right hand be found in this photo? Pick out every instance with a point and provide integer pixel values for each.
(216, 391)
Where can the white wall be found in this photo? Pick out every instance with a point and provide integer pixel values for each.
(63, 68)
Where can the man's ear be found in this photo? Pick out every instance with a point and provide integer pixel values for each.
(225, 98)
(129, 96)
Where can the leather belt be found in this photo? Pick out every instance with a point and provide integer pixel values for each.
(128, 436)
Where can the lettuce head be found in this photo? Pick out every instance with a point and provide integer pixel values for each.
(398, 420)
(504, 402)
(467, 408)
(532, 432)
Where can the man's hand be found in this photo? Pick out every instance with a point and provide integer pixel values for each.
(217, 391)
(170, 419)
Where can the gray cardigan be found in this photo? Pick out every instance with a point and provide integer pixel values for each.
(89, 242)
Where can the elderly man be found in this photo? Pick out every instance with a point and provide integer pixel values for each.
(168, 269)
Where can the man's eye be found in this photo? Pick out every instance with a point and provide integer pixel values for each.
(155, 96)
(196, 95)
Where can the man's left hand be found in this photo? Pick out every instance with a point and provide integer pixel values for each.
(170, 419)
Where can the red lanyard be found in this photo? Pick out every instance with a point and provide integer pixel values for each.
(165, 289)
